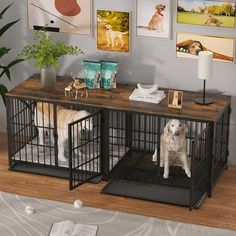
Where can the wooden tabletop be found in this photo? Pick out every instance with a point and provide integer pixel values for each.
(118, 99)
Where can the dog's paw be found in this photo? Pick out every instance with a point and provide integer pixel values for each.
(166, 176)
(188, 173)
(61, 158)
(154, 158)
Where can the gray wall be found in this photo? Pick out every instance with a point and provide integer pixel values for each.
(151, 60)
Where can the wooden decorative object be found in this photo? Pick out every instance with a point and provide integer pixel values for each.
(78, 85)
(175, 99)
(69, 90)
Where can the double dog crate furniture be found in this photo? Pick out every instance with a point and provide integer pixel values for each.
(116, 140)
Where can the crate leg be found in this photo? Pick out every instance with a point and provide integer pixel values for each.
(211, 139)
(105, 142)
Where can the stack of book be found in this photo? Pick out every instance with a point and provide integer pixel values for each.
(155, 97)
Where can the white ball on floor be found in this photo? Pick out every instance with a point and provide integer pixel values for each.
(78, 203)
(29, 210)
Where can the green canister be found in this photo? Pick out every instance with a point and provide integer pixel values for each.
(92, 73)
(109, 74)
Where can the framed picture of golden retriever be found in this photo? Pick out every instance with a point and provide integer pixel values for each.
(175, 99)
(153, 18)
(206, 12)
(189, 45)
(71, 16)
(113, 31)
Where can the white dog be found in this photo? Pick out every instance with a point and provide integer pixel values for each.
(114, 37)
(173, 147)
(44, 118)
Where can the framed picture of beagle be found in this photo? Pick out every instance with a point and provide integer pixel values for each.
(71, 16)
(153, 18)
(218, 13)
(175, 99)
(189, 45)
(113, 31)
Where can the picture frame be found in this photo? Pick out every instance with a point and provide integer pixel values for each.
(188, 45)
(61, 17)
(175, 99)
(113, 31)
(216, 13)
(153, 19)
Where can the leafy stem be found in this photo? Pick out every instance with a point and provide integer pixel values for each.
(45, 52)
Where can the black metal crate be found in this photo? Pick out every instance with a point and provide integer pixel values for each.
(139, 134)
(33, 136)
(118, 145)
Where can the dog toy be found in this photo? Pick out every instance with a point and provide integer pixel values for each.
(78, 203)
(29, 210)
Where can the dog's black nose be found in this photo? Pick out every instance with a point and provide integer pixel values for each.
(177, 133)
(198, 50)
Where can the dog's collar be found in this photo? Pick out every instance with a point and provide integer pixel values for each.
(160, 14)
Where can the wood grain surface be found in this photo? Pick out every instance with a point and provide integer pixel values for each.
(118, 99)
(218, 211)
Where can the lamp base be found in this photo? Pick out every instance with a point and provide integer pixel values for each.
(203, 101)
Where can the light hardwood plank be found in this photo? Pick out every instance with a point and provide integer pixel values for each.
(218, 211)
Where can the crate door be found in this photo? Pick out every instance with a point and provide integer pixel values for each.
(200, 162)
(84, 149)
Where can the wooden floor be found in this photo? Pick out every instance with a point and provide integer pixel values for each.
(218, 211)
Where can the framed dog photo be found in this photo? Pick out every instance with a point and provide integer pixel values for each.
(206, 12)
(175, 99)
(189, 45)
(113, 31)
(153, 18)
(70, 16)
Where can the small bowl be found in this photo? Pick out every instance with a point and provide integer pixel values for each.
(147, 89)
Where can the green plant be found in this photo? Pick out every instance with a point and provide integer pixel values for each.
(5, 70)
(45, 52)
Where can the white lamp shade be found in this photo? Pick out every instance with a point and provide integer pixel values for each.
(205, 59)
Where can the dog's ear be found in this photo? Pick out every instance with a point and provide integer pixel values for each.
(167, 127)
(185, 128)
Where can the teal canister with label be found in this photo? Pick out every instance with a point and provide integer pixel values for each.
(92, 74)
(109, 74)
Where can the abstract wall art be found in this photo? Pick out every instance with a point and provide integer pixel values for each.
(71, 16)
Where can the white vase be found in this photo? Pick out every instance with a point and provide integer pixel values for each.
(48, 78)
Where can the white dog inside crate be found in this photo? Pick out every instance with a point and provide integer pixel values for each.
(44, 118)
(173, 147)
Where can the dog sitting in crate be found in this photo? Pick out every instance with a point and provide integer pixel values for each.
(44, 118)
(173, 147)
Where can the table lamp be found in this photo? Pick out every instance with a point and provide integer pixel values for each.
(205, 59)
